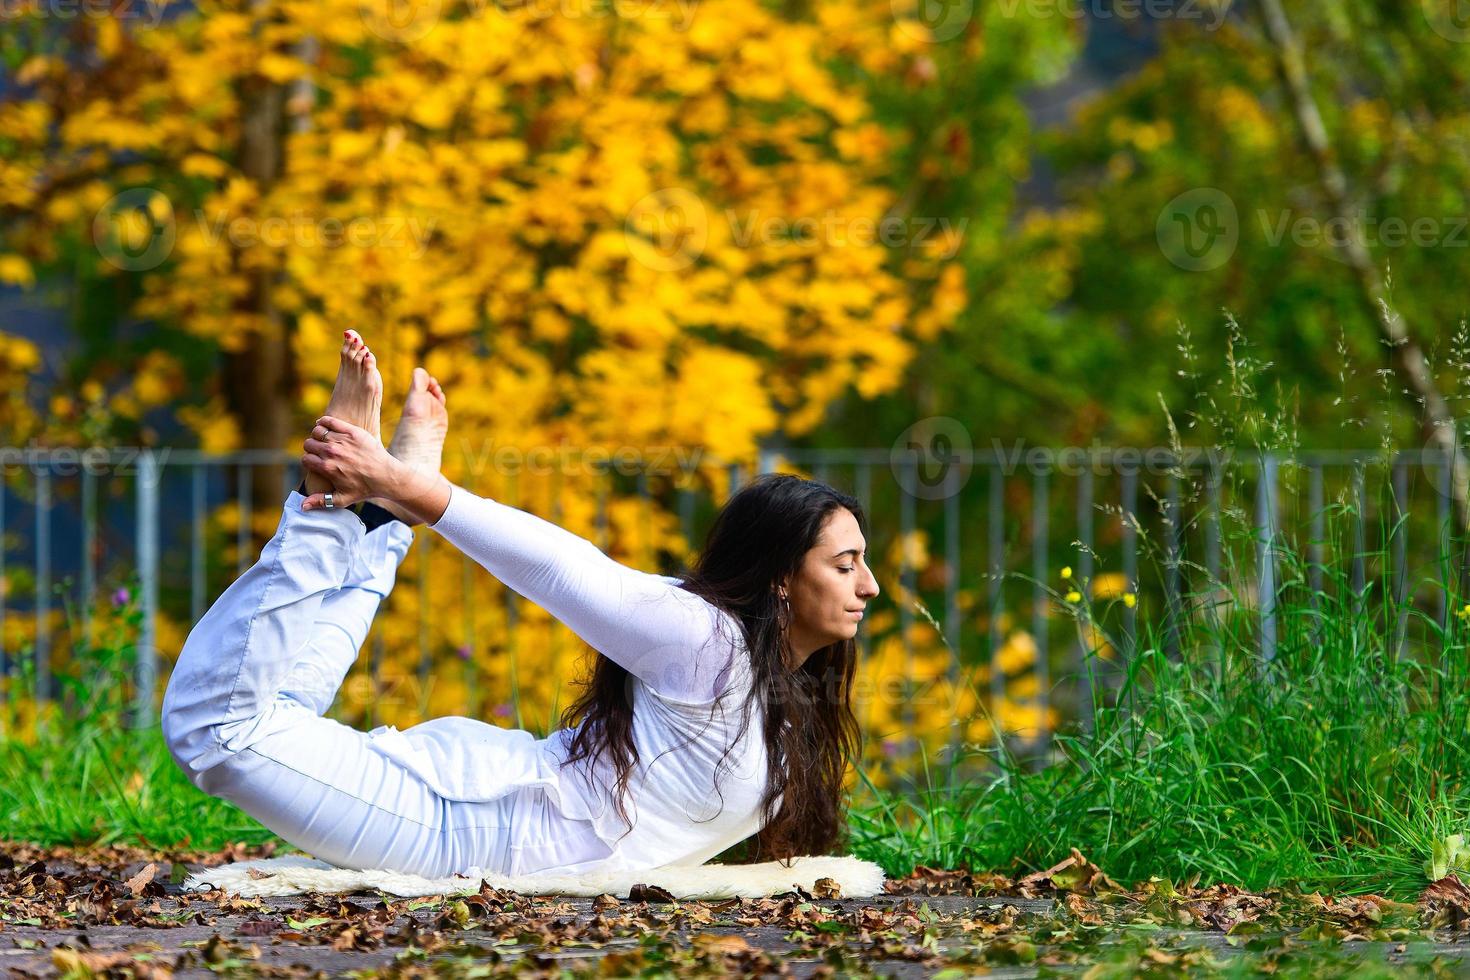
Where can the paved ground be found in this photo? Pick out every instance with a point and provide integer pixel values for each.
(119, 918)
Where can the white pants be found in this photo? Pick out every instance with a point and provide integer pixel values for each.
(243, 716)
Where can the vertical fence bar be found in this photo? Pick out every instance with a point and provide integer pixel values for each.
(863, 480)
(1086, 663)
(198, 559)
(604, 478)
(1040, 540)
(425, 664)
(554, 639)
(1443, 473)
(1129, 497)
(1317, 546)
(468, 652)
(1173, 553)
(89, 549)
(1318, 524)
(1400, 549)
(645, 519)
(375, 671)
(952, 601)
(4, 589)
(686, 515)
(910, 587)
(147, 547)
(1360, 502)
(1216, 476)
(42, 656)
(1266, 573)
(242, 530)
(996, 529)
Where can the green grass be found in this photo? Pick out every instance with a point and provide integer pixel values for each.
(1335, 767)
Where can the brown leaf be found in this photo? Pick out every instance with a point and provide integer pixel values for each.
(827, 888)
(139, 881)
(713, 944)
(649, 893)
(257, 874)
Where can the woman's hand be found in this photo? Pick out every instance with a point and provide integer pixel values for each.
(351, 458)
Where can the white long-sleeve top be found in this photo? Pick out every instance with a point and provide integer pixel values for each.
(689, 675)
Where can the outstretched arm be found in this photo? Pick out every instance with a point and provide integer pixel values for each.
(646, 623)
(657, 631)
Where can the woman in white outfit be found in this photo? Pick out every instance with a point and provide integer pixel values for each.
(718, 711)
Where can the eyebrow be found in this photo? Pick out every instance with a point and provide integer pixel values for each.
(849, 551)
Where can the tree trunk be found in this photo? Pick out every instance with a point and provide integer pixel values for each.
(258, 381)
(1437, 423)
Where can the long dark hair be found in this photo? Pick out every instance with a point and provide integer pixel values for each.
(759, 538)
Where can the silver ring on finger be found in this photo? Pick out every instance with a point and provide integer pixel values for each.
(327, 502)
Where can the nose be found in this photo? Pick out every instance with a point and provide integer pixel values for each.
(870, 587)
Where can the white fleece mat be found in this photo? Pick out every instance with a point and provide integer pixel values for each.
(293, 875)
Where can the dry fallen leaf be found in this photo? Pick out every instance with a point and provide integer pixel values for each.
(139, 881)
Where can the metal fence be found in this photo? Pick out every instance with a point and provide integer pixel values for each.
(1003, 525)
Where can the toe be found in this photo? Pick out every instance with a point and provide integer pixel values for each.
(420, 380)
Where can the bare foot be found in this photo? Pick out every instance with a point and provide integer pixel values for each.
(419, 438)
(357, 397)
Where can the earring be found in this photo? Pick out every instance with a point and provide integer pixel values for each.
(783, 621)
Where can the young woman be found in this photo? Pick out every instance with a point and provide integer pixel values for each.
(718, 709)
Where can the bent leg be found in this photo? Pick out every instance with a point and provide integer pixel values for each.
(346, 617)
(317, 784)
(241, 652)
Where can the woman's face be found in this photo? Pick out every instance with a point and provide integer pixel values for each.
(832, 582)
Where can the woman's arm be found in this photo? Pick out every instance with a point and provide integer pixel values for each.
(646, 623)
